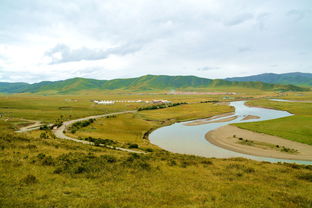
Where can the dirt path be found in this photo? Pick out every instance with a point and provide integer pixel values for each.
(257, 144)
(59, 132)
(34, 126)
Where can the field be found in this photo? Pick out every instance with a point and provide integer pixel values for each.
(130, 128)
(296, 128)
(53, 107)
(55, 173)
(38, 171)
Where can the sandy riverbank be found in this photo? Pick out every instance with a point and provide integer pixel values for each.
(208, 120)
(224, 137)
(249, 117)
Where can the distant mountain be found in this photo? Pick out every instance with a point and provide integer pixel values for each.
(12, 87)
(295, 78)
(147, 82)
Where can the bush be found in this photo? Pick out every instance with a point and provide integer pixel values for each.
(44, 135)
(29, 179)
(99, 141)
(45, 160)
(172, 163)
(137, 161)
(80, 124)
(109, 158)
(148, 149)
(240, 167)
(160, 106)
(131, 146)
(306, 176)
(44, 127)
(79, 163)
(207, 162)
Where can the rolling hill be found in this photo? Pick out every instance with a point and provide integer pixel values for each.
(295, 78)
(143, 83)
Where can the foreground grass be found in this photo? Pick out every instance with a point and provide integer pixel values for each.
(55, 173)
(296, 128)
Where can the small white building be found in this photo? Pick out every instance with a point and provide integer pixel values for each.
(104, 102)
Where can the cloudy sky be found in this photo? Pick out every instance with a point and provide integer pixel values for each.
(106, 39)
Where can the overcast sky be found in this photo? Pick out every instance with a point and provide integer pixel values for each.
(106, 39)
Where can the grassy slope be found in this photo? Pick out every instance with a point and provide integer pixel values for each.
(299, 79)
(76, 175)
(297, 128)
(148, 82)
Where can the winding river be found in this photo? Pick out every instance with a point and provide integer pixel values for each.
(183, 139)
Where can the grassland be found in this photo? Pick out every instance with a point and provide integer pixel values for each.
(49, 172)
(295, 128)
(131, 128)
(51, 108)
(296, 96)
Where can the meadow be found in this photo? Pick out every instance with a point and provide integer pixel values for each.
(37, 171)
(296, 127)
(50, 172)
(49, 108)
(132, 128)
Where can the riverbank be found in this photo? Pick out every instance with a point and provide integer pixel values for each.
(258, 144)
(209, 120)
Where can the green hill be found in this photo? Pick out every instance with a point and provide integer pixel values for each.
(295, 78)
(143, 83)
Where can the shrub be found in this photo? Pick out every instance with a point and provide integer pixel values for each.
(160, 106)
(148, 149)
(130, 145)
(306, 176)
(109, 158)
(99, 141)
(137, 161)
(41, 156)
(29, 179)
(44, 135)
(80, 124)
(240, 167)
(172, 163)
(206, 162)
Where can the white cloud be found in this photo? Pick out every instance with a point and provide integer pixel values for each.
(42, 40)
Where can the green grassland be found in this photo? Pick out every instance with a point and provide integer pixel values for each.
(297, 128)
(131, 128)
(50, 172)
(143, 83)
(296, 96)
(50, 108)
(187, 112)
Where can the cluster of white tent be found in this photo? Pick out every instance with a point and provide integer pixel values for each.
(110, 102)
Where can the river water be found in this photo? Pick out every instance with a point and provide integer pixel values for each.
(179, 138)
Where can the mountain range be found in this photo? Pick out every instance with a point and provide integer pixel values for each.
(154, 82)
(294, 78)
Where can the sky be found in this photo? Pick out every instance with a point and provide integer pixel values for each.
(107, 39)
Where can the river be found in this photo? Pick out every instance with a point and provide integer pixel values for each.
(179, 138)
